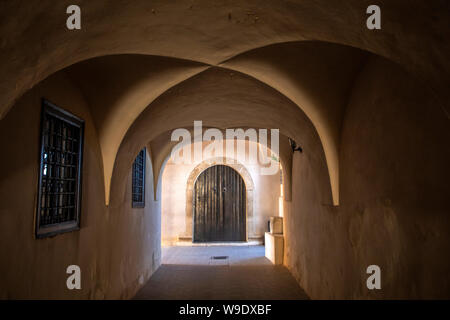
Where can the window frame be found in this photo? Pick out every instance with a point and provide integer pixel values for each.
(66, 226)
(139, 204)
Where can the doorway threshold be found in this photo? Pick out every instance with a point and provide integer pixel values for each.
(225, 243)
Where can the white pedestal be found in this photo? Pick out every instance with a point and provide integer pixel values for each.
(274, 247)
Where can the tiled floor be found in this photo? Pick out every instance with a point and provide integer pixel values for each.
(201, 255)
(191, 273)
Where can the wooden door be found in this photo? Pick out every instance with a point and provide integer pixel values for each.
(219, 205)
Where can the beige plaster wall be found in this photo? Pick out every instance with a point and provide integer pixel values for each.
(117, 248)
(175, 214)
(394, 208)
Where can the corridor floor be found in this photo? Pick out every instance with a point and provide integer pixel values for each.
(241, 272)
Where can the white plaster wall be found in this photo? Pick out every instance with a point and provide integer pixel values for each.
(173, 205)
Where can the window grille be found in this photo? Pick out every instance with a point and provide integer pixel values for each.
(59, 194)
(138, 184)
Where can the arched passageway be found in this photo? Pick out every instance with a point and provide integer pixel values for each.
(262, 192)
(367, 108)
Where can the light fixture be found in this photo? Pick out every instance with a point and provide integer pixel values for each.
(294, 146)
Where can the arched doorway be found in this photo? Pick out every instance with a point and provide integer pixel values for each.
(219, 205)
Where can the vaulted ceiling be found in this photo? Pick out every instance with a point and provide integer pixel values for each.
(309, 53)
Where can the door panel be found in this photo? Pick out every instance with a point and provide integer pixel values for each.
(219, 205)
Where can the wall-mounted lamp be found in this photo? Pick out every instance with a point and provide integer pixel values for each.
(294, 146)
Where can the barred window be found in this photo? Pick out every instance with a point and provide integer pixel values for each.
(138, 185)
(59, 194)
